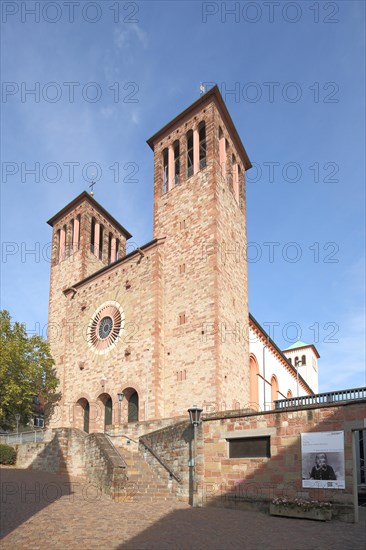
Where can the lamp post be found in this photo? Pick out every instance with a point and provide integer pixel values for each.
(298, 364)
(17, 418)
(120, 396)
(195, 419)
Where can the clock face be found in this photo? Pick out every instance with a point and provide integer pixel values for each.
(106, 327)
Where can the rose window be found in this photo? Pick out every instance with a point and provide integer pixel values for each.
(106, 327)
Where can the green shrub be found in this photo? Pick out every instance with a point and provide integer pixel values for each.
(8, 455)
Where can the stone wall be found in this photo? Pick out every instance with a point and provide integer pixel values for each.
(63, 454)
(75, 453)
(225, 481)
(127, 435)
(173, 445)
(103, 464)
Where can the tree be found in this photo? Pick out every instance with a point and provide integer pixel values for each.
(26, 370)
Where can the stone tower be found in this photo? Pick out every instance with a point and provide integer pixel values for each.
(85, 239)
(199, 208)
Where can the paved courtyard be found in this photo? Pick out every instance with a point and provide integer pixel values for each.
(40, 510)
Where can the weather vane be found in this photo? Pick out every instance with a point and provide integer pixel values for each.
(91, 186)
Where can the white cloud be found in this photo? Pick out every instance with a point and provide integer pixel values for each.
(128, 37)
(107, 112)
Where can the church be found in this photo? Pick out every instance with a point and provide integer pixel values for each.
(146, 334)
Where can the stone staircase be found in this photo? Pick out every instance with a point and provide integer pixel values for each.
(144, 482)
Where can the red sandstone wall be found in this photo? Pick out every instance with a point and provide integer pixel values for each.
(132, 363)
(261, 479)
(202, 222)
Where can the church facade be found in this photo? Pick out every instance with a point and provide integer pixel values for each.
(166, 325)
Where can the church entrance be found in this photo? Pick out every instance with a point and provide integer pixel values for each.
(108, 411)
(133, 407)
(104, 418)
(82, 414)
(86, 417)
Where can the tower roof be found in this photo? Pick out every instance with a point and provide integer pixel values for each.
(212, 95)
(299, 344)
(80, 198)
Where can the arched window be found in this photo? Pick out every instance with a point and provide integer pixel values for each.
(289, 360)
(189, 153)
(274, 389)
(57, 247)
(63, 242)
(222, 152)
(239, 182)
(303, 359)
(165, 170)
(76, 235)
(110, 248)
(92, 235)
(101, 231)
(202, 144)
(296, 361)
(71, 245)
(235, 179)
(254, 371)
(176, 150)
(117, 249)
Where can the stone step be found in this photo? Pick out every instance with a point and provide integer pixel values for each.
(121, 497)
(143, 481)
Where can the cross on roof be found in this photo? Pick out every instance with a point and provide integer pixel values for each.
(91, 186)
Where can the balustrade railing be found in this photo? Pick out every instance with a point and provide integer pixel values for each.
(321, 398)
(34, 436)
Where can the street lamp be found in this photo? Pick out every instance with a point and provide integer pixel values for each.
(195, 415)
(298, 364)
(195, 419)
(17, 418)
(120, 396)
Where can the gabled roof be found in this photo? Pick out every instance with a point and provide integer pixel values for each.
(277, 349)
(299, 345)
(215, 95)
(111, 266)
(84, 196)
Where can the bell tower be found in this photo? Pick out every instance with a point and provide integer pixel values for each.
(199, 209)
(85, 238)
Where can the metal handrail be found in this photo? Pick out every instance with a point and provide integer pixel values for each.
(116, 449)
(321, 398)
(21, 437)
(171, 472)
(122, 435)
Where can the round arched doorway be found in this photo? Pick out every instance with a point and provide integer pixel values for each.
(132, 398)
(84, 414)
(105, 411)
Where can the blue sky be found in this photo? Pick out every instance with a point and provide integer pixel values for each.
(296, 73)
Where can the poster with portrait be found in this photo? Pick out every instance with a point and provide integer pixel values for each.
(322, 456)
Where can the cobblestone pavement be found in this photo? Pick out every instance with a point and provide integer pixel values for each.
(40, 510)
